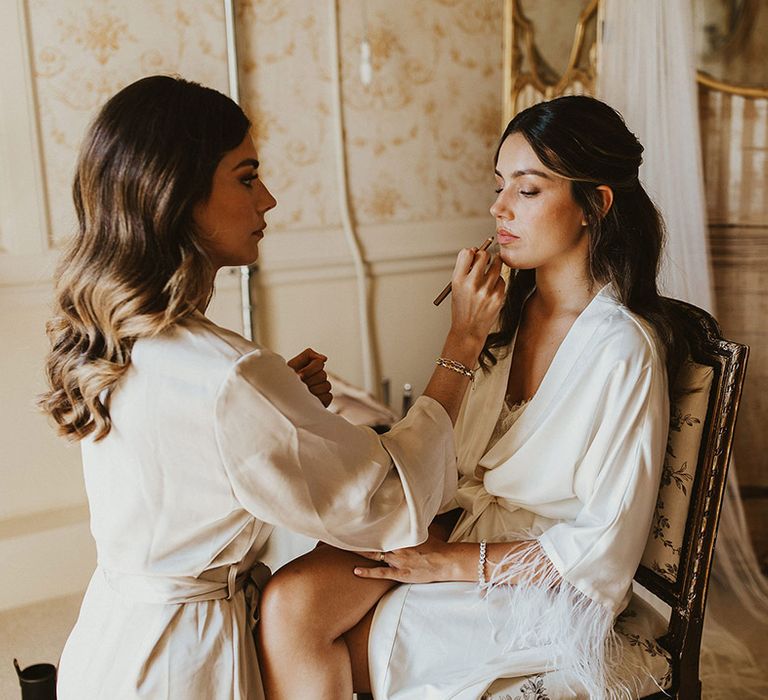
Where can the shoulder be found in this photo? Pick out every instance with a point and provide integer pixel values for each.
(195, 349)
(624, 336)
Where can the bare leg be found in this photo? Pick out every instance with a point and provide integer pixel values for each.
(357, 643)
(306, 609)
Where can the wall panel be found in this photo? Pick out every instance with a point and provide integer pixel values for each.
(420, 141)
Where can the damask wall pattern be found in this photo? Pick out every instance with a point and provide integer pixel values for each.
(83, 52)
(420, 137)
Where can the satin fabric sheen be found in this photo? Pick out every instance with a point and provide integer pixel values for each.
(213, 441)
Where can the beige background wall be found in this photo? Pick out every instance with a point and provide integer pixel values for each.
(735, 145)
(419, 141)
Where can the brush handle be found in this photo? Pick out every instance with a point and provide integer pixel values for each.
(441, 297)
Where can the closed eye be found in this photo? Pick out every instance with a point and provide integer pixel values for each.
(529, 193)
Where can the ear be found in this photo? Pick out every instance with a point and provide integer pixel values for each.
(607, 195)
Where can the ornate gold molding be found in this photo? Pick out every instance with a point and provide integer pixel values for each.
(520, 47)
(707, 81)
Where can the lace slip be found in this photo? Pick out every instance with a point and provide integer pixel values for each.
(507, 416)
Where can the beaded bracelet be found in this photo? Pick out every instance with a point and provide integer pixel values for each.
(481, 564)
(455, 366)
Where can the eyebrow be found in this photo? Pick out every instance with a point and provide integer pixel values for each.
(529, 171)
(248, 161)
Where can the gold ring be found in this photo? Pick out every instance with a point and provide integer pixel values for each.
(381, 556)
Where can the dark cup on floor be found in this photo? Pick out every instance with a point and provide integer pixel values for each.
(38, 682)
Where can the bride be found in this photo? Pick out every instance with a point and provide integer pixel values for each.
(560, 446)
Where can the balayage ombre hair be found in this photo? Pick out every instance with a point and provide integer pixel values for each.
(135, 265)
(587, 142)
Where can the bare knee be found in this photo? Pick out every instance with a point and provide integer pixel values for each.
(290, 599)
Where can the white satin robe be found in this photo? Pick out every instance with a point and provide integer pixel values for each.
(578, 471)
(213, 441)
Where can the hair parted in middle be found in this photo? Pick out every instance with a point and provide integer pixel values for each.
(135, 265)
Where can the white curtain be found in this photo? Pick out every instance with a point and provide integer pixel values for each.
(647, 72)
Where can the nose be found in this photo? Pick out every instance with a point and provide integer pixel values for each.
(500, 208)
(265, 200)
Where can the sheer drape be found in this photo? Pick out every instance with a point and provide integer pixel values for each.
(647, 71)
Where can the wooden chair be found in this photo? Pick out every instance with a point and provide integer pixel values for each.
(677, 560)
(676, 563)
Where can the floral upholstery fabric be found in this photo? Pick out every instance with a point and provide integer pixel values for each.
(645, 665)
(687, 414)
(645, 662)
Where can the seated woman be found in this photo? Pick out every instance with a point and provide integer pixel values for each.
(560, 445)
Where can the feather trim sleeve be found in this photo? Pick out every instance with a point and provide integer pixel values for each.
(544, 611)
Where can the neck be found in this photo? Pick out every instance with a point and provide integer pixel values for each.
(564, 289)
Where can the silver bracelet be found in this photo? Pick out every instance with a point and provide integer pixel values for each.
(481, 564)
(455, 366)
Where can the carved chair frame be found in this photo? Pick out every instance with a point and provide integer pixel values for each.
(687, 595)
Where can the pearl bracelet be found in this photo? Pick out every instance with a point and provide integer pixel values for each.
(455, 366)
(481, 564)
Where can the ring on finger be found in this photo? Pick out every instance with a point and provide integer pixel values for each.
(382, 555)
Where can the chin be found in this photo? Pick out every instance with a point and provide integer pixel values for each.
(515, 262)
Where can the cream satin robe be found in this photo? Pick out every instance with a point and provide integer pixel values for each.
(212, 442)
(577, 474)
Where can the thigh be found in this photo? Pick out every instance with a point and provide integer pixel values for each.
(324, 576)
(357, 643)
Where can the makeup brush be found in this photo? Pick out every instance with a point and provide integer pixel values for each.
(441, 297)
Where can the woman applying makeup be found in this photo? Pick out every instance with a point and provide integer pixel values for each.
(195, 441)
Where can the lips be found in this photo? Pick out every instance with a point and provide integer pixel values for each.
(503, 236)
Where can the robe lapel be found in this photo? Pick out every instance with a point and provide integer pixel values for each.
(572, 347)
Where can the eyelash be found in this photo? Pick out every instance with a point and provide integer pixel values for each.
(248, 180)
(531, 193)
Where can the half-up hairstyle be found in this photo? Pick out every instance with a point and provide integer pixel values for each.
(587, 142)
(135, 265)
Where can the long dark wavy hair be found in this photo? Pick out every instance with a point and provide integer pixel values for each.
(135, 265)
(587, 142)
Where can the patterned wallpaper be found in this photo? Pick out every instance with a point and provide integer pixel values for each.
(420, 137)
(84, 52)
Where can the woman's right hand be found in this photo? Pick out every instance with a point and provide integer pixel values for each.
(478, 295)
(477, 291)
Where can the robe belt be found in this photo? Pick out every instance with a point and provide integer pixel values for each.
(221, 583)
(472, 497)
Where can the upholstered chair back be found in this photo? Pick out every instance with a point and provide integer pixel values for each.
(688, 413)
(678, 556)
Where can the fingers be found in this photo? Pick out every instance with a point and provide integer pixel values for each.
(313, 373)
(304, 358)
(493, 280)
(377, 572)
(468, 259)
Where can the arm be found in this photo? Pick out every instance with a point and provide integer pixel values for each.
(435, 561)
(477, 298)
(291, 462)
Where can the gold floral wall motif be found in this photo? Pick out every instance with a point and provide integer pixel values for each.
(84, 52)
(420, 137)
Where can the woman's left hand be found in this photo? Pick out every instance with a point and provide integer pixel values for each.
(433, 560)
(310, 366)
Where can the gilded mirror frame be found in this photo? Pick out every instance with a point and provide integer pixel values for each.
(520, 45)
(711, 83)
